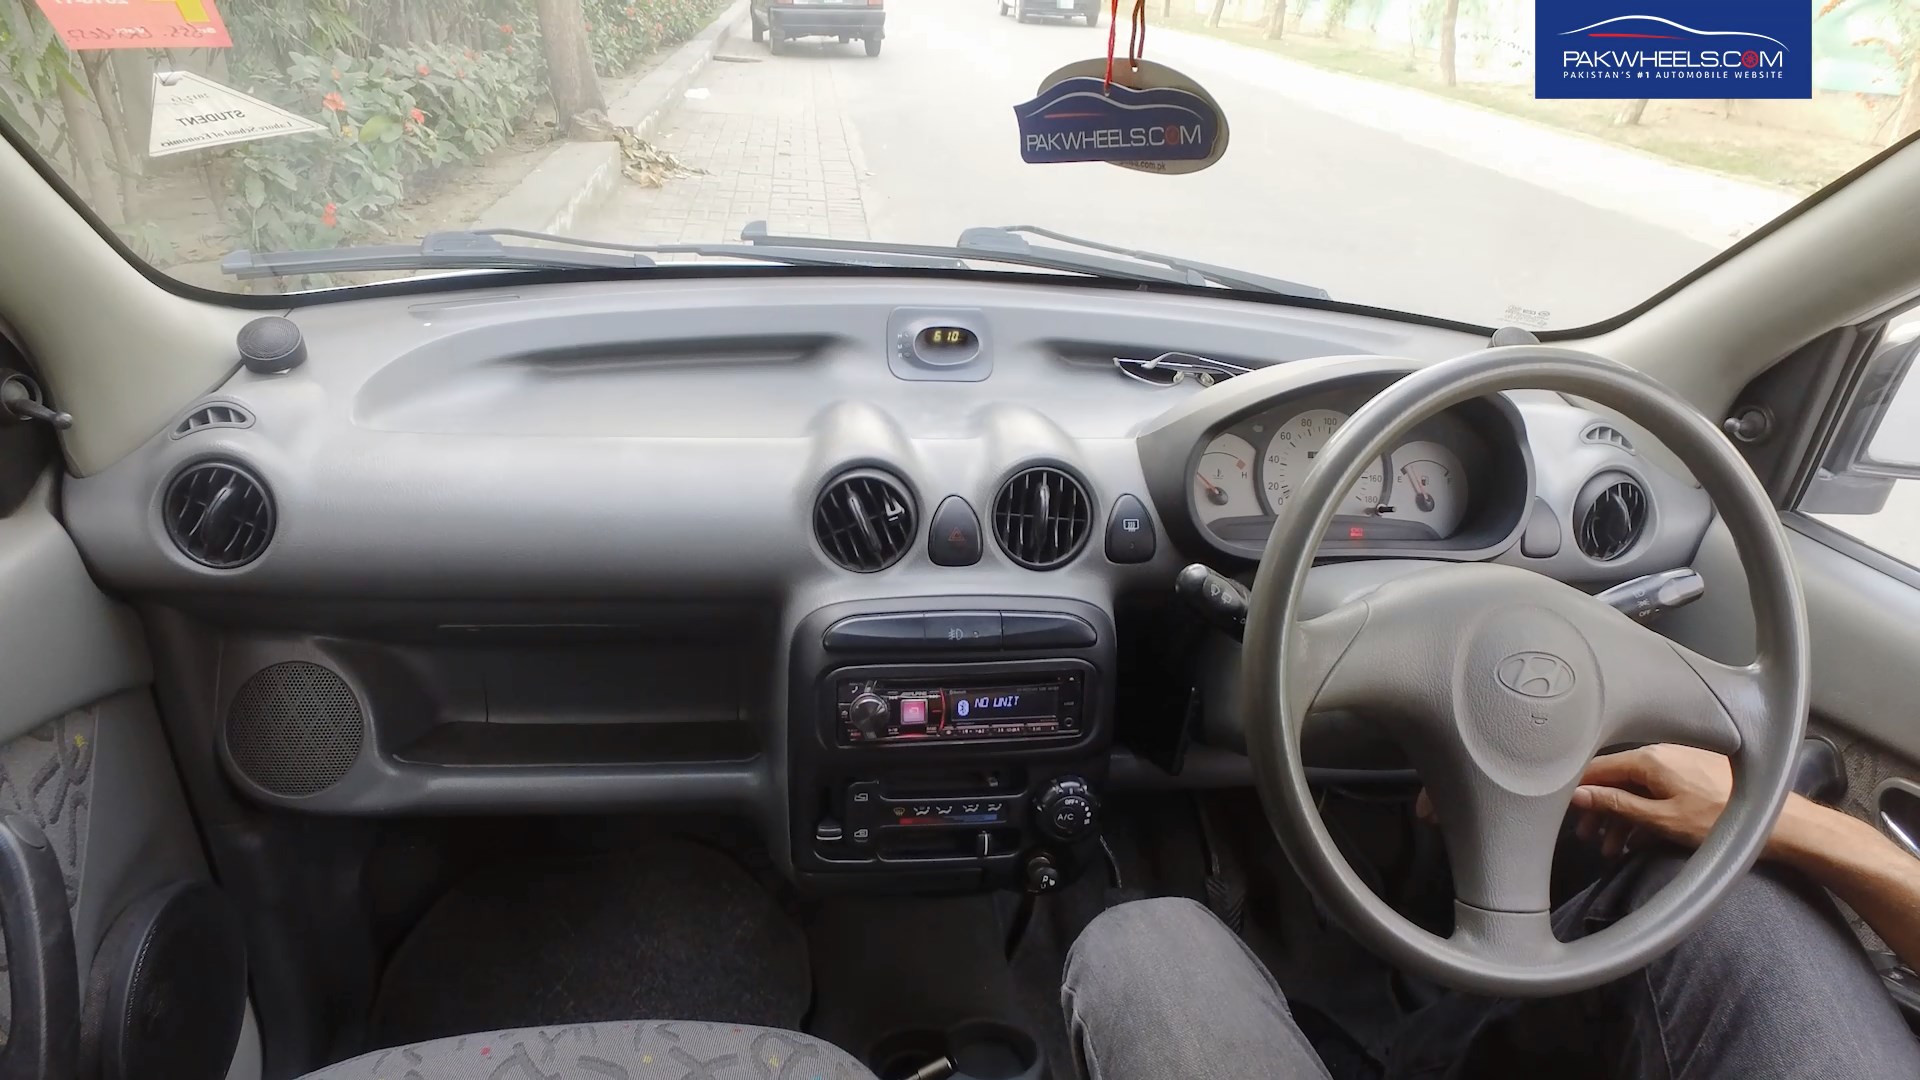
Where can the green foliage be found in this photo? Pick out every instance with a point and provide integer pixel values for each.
(622, 31)
(33, 64)
(390, 118)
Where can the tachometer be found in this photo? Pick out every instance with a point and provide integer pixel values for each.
(1290, 456)
(1223, 480)
(1429, 487)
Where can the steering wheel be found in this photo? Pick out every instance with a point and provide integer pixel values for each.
(1502, 684)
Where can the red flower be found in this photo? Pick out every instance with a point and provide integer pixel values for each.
(424, 70)
(459, 73)
(469, 54)
(632, 13)
(506, 28)
(336, 74)
(418, 116)
(328, 217)
(334, 101)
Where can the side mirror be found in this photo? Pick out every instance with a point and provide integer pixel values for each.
(1878, 440)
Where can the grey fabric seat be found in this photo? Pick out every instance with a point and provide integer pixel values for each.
(629, 1050)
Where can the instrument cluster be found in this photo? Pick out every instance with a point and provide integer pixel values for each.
(1421, 491)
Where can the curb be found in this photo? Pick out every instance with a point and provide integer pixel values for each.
(577, 175)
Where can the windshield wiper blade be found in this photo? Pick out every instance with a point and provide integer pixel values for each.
(1072, 262)
(437, 251)
(1008, 239)
(481, 249)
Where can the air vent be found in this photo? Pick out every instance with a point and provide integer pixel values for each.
(864, 521)
(218, 515)
(1607, 435)
(213, 414)
(1041, 518)
(1612, 521)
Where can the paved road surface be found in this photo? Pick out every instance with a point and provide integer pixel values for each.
(919, 143)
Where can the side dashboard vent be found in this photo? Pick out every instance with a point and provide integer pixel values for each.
(864, 521)
(213, 414)
(1609, 525)
(218, 514)
(1042, 518)
(1607, 435)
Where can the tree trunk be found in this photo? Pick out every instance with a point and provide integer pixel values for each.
(1630, 113)
(1907, 121)
(1449, 28)
(1219, 8)
(563, 35)
(83, 130)
(105, 95)
(1277, 20)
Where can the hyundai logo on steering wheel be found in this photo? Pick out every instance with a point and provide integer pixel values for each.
(1535, 674)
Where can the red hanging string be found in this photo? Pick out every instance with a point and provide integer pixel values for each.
(1113, 28)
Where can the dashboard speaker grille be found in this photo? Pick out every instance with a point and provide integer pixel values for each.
(294, 728)
(864, 521)
(218, 515)
(1042, 518)
(1612, 522)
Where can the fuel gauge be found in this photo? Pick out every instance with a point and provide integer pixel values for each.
(1223, 481)
(1429, 487)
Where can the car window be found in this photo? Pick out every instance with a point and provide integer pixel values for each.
(1405, 156)
(1868, 486)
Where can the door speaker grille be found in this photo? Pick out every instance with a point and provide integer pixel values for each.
(294, 728)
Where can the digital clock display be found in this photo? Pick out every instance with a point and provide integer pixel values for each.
(946, 339)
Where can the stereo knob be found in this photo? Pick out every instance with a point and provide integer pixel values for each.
(869, 711)
(1066, 810)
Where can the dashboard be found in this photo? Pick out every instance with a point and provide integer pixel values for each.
(730, 545)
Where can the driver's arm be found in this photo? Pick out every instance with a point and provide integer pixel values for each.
(1678, 792)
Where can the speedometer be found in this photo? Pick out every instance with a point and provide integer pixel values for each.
(1290, 456)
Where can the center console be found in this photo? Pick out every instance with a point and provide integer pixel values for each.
(948, 743)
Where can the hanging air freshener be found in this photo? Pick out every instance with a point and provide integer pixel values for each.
(1137, 115)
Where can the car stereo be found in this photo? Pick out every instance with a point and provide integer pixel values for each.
(1038, 704)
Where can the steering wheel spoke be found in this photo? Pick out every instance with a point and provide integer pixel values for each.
(1499, 842)
(1661, 691)
(1509, 939)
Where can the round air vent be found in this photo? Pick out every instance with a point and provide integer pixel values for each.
(219, 515)
(864, 521)
(1610, 521)
(294, 728)
(1042, 517)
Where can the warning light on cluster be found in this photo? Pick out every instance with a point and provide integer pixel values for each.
(1356, 532)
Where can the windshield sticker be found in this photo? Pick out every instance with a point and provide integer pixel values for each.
(1151, 118)
(191, 112)
(142, 24)
(1664, 49)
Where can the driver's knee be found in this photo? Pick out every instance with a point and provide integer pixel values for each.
(1160, 988)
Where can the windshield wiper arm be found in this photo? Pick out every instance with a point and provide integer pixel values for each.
(1008, 239)
(481, 249)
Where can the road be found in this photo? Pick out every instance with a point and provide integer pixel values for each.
(920, 142)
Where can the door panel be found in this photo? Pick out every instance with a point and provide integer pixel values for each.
(82, 754)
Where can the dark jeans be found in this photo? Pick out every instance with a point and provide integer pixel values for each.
(1772, 985)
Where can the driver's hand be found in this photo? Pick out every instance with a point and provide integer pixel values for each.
(1675, 792)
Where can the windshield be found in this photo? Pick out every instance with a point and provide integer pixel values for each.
(1403, 154)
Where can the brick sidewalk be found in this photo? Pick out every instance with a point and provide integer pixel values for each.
(771, 135)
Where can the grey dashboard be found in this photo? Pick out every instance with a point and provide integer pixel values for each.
(549, 471)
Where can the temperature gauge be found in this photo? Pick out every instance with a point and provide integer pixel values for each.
(1223, 481)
